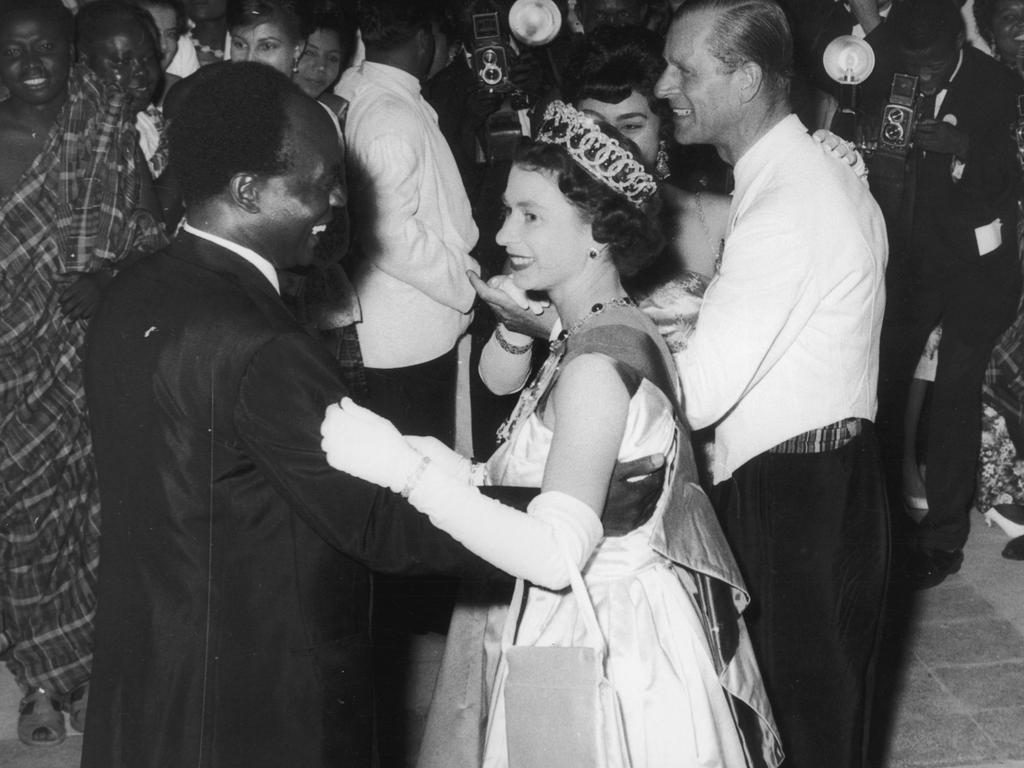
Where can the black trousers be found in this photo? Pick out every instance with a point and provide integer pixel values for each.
(418, 399)
(975, 305)
(811, 535)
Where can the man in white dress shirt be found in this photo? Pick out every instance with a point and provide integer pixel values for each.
(414, 231)
(414, 224)
(784, 364)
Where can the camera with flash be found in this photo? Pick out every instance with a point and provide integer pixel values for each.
(899, 116)
(490, 54)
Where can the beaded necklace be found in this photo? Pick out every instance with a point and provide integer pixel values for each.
(532, 394)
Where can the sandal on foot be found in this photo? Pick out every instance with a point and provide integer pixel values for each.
(78, 703)
(40, 721)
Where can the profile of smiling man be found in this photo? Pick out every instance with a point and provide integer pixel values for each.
(234, 598)
(784, 364)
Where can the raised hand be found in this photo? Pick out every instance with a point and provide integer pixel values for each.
(514, 308)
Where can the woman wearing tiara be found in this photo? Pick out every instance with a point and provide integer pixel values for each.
(663, 584)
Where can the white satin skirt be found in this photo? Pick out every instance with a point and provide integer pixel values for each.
(659, 663)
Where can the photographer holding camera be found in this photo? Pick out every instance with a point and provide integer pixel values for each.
(959, 266)
(483, 100)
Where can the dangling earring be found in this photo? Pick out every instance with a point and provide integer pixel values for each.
(593, 253)
(661, 169)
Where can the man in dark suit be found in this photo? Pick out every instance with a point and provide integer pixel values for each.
(234, 595)
(960, 265)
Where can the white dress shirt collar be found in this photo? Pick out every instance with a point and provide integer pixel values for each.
(264, 266)
(941, 95)
(399, 77)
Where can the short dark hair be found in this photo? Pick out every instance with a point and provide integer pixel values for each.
(175, 5)
(92, 18)
(233, 119)
(612, 62)
(388, 24)
(293, 15)
(749, 31)
(921, 24)
(343, 24)
(633, 235)
(51, 10)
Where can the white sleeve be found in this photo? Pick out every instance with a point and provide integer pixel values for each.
(526, 546)
(185, 61)
(410, 247)
(751, 314)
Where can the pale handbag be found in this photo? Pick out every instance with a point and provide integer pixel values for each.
(560, 708)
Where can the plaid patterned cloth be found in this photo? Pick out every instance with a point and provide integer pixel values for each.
(1004, 379)
(822, 439)
(75, 210)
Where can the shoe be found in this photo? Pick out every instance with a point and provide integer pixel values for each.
(1015, 549)
(930, 567)
(1009, 517)
(78, 703)
(40, 721)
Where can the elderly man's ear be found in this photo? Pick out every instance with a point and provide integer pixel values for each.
(749, 78)
(245, 193)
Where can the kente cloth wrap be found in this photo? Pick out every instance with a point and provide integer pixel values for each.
(74, 210)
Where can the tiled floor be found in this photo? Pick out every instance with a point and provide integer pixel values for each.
(957, 689)
(953, 676)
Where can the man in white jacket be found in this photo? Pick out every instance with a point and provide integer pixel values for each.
(783, 362)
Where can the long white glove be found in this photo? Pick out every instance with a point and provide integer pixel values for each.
(452, 463)
(528, 546)
(366, 445)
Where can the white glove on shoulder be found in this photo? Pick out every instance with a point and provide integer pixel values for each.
(360, 442)
(527, 546)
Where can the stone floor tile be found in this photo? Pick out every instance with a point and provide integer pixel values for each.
(1006, 728)
(948, 740)
(14, 754)
(985, 686)
(950, 600)
(966, 641)
(919, 691)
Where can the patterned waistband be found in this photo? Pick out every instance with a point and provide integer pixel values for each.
(822, 439)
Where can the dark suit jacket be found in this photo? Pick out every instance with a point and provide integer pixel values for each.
(943, 266)
(232, 627)
(982, 100)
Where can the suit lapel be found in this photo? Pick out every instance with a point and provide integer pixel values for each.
(225, 263)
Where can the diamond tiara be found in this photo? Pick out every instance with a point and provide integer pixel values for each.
(597, 153)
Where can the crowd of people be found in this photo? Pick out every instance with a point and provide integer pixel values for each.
(330, 324)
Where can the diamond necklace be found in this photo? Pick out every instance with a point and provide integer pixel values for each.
(530, 396)
(565, 333)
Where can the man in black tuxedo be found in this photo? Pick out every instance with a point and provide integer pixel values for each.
(234, 595)
(960, 264)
